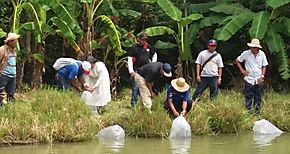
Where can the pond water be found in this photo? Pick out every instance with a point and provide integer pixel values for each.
(225, 144)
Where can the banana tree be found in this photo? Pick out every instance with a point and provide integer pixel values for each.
(182, 35)
(268, 26)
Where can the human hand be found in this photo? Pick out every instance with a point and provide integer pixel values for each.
(153, 94)
(132, 74)
(198, 79)
(183, 113)
(260, 80)
(219, 81)
(176, 114)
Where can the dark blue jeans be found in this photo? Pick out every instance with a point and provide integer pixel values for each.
(135, 93)
(7, 84)
(252, 92)
(61, 82)
(205, 82)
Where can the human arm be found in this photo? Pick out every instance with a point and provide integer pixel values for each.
(172, 108)
(149, 86)
(74, 84)
(154, 57)
(220, 72)
(242, 70)
(130, 66)
(184, 106)
(198, 73)
(261, 78)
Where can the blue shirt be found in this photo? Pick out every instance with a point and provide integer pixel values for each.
(10, 70)
(177, 97)
(71, 71)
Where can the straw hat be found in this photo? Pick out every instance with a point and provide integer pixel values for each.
(11, 36)
(255, 43)
(180, 85)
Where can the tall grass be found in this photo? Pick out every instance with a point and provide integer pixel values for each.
(46, 115)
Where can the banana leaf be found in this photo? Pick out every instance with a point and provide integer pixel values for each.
(192, 31)
(233, 9)
(170, 9)
(277, 3)
(147, 1)
(201, 7)
(128, 12)
(109, 9)
(186, 54)
(209, 21)
(227, 31)
(110, 29)
(187, 20)
(164, 45)
(63, 28)
(158, 30)
(286, 22)
(2, 33)
(259, 25)
(38, 57)
(30, 8)
(276, 46)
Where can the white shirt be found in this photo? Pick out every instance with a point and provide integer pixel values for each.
(130, 62)
(211, 68)
(253, 65)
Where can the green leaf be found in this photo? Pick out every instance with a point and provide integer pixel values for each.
(48, 29)
(186, 54)
(201, 7)
(147, 1)
(189, 19)
(158, 30)
(86, 1)
(259, 25)
(286, 22)
(39, 57)
(110, 29)
(170, 9)
(226, 32)
(30, 8)
(164, 45)
(96, 45)
(2, 33)
(209, 21)
(277, 3)
(276, 46)
(63, 28)
(233, 9)
(192, 32)
(109, 8)
(128, 12)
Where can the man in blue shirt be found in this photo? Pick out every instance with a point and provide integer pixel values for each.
(69, 73)
(8, 67)
(178, 101)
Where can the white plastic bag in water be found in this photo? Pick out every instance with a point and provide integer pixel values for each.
(113, 132)
(180, 128)
(265, 127)
(87, 97)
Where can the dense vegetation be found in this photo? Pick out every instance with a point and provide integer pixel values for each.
(179, 30)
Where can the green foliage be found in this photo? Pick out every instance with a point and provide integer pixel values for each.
(2, 33)
(227, 31)
(187, 20)
(164, 45)
(46, 115)
(63, 28)
(172, 11)
(277, 3)
(128, 12)
(158, 30)
(201, 7)
(234, 9)
(259, 25)
(277, 47)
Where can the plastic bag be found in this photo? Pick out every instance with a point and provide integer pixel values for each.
(265, 127)
(180, 128)
(62, 62)
(87, 97)
(113, 132)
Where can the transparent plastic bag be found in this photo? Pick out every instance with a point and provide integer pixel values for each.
(113, 132)
(265, 127)
(180, 128)
(87, 97)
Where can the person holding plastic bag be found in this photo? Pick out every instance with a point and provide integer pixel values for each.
(98, 83)
(178, 102)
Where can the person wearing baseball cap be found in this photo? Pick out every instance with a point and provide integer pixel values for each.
(8, 67)
(209, 66)
(146, 76)
(139, 54)
(68, 74)
(178, 98)
(255, 62)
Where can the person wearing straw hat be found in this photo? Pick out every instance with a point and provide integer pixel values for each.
(254, 73)
(178, 98)
(146, 76)
(8, 67)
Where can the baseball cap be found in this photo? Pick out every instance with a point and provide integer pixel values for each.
(143, 36)
(86, 67)
(167, 70)
(91, 59)
(212, 42)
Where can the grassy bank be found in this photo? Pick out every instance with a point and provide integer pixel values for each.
(48, 115)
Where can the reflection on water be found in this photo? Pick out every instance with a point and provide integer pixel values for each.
(264, 139)
(225, 144)
(180, 146)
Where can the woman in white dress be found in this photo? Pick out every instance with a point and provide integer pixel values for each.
(98, 83)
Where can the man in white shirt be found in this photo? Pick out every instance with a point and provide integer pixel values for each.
(254, 72)
(210, 64)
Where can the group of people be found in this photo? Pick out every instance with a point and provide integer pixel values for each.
(144, 70)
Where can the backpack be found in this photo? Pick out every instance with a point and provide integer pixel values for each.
(62, 62)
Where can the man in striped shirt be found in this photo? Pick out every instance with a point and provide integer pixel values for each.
(8, 67)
